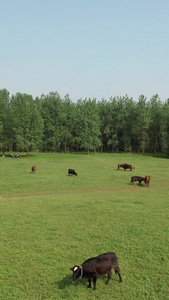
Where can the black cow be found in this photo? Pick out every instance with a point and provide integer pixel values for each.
(126, 166)
(137, 178)
(121, 166)
(95, 266)
(71, 171)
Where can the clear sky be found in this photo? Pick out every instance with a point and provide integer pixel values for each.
(85, 48)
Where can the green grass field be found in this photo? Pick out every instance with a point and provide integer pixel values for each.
(50, 221)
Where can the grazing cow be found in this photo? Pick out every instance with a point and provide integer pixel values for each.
(33, 169)
(120, 166)
(137, 178)
(71, 171)
(147, 180)
(95, 266)
(126, 166)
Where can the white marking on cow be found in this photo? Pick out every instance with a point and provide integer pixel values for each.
(75, 269)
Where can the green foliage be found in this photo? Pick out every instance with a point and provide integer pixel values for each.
(141, 124)
(50, 123)
(52, 114)
(68, 122)
(157, 127)
(27, 123)
(6, 129)
(88, 124)
(51, 221)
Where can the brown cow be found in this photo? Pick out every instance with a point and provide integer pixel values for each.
(33, 169)
(147, 180)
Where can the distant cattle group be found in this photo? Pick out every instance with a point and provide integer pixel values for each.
(126, 166)
(17, 155)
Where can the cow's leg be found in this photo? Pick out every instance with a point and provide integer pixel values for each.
(109, 276)
(117, 271)
(89, 281)
(94, 282)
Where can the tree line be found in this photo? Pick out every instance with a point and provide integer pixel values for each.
(51, 123)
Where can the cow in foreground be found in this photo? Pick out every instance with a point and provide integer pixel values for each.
(137, 178)
(33, 169)
(71, 171)
(95, 266)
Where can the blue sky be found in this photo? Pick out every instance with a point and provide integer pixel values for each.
(85, 48)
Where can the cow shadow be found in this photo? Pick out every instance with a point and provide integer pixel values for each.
(67, 280)
(141, 185)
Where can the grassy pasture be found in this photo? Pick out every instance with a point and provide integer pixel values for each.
(50, 221)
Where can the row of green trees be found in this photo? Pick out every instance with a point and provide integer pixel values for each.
(50, 123)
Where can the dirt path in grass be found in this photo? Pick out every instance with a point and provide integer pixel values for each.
(82, 191)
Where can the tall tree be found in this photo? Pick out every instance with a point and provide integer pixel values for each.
(67, 121)
(156, 128)
(103, 110)
(165, 116)
(115, 123)
(88, 124)
(27, 122)
(141, 125)
(129, 120)
(6, 127)
(52, 113)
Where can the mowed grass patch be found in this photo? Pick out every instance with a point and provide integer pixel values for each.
(44, 233)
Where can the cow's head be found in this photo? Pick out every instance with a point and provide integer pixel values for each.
(77, 272)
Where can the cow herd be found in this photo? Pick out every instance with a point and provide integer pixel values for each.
(104, 263)
(125, 166)
(146, 179)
